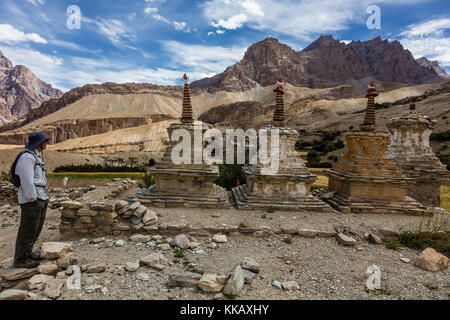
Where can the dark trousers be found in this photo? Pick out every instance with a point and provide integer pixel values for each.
(31, 222)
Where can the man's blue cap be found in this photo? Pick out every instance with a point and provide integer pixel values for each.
(35, 140)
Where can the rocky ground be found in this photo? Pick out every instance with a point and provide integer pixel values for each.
(306, 268)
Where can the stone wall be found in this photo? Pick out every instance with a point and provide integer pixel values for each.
(8, 193)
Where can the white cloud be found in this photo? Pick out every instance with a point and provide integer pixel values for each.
(302, 19)
(428, 39)
(233, 23)
(431, 47)
(181, 26)
(203, 60)
(160, 18)
(9, 34)
(36, 2)
(432, 27)
(76, 72)
(150, 10)
(114, 30)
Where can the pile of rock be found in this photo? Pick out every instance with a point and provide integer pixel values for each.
(8, 192)
(109, 217)
(44, 282)
(61, 194)
(224, 285)
(117, 187)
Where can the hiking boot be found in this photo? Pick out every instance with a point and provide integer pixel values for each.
(36, 256)
(26, 264)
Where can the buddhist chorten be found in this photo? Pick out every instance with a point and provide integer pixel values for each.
(186, 184)
(365, 180)
(289, 188)
(410, 149)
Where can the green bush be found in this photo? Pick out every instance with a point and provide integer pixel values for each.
(149, 180)
(384, 105)
(393, 244)
(271, 209)
(445, 160)
(440, 241)
(229, 174)
(6, 176)
(442, 136)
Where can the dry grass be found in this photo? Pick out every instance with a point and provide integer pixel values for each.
(445, 198)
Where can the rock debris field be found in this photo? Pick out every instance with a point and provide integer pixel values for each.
(329, 263)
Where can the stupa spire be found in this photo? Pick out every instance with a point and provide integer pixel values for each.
(278, 117)
(187, 115)
(369, 119)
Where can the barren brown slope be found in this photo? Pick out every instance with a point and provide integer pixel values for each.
(148, 138)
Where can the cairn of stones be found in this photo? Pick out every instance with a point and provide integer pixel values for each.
(289, 188)
(411, 151)
(365, 180)
(186, 184)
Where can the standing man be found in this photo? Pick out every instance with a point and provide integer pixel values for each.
(33, 199)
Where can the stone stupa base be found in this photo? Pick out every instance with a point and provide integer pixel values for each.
(370, 195)
(245, 201)
(188, 188)
(150, 197)
(373, 206)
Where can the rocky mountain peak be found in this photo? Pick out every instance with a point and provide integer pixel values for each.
(433, 65)
(324, 41)
(21, 90)
(5, 63)
(326, 62)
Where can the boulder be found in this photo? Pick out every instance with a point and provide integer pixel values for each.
(152, 259)
(181, 241)
(132, 266)
(55, 250)
(236, 282)
(121, 204)
(38, 281)
(71, 205)
(13, 294)
(250, 264)
(220, 238)
(143, 277)
(290, 285)
(375, 239)
(13, 274)
(54, 288)
(345, 240)
(139, 238)
(431, 260)
(150, 218)
(248, 276)
(139, 212)
(96, 268)
(49, 267)
(185, 279)
(212, 282)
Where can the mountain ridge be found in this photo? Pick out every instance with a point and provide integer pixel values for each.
(326, 62)
(21, 90)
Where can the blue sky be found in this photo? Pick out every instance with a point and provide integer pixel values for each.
(157, 41)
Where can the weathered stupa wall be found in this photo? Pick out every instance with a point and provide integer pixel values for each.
(410, 149)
